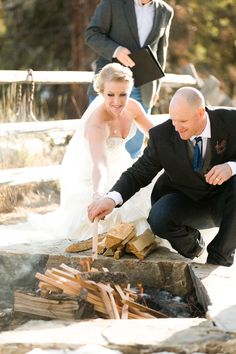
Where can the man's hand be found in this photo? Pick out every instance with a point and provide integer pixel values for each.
(123, 56)
(219, 174)
(100, 208)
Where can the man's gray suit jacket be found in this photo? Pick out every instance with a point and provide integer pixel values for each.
(114, 24)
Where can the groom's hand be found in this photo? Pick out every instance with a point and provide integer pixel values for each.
(100, 208)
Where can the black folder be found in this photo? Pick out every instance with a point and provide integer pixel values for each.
(147, 68)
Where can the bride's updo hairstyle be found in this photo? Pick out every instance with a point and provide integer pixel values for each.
(112, 72)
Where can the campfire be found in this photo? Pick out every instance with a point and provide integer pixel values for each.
(65, 292)
(85, 293)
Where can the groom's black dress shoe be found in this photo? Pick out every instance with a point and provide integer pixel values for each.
(214, 261)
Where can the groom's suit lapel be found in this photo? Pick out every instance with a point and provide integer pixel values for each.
(218, 139)
(181, 150)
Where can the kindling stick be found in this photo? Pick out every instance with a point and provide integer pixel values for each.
(95, 240)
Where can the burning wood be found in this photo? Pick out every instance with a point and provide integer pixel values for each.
(110, 294)
(120, 239)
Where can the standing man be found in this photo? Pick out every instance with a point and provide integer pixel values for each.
(119, 27)
(196, 148)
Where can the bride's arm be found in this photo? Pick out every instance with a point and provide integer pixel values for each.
(96, 136)
(141, 118)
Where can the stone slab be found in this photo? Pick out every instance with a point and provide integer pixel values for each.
(139, 334)
(219, 283)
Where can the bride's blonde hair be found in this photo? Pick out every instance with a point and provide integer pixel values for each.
(112, 72)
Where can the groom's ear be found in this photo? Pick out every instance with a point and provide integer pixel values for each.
(201, 113)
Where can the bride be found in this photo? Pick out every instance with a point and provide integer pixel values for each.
(96, 155)
(95, 158)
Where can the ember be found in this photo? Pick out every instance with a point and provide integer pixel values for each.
(169, 304)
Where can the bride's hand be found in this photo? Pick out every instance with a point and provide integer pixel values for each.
(100, 208)
(96, 196)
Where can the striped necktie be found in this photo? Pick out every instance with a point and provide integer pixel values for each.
(197, 154)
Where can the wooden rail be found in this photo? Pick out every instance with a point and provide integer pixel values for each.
(25, 175)
(77, 77)
(6, 129)
(30, 174)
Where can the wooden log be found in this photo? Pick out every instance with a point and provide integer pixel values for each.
(142, 314)
(109, 252)
(69, 283)
(143, 308)
(125, 307)
(70, 269)
(102, 246)
(146, 251)
(141, 242)
(33, 304)
(121, 292)
(118, 233)
(49, 288)
(63, 274)
(128, 238)
(83, 245)
(106, 301)
(56, 283)
(114, 307)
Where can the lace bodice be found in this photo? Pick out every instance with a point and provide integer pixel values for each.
(114, 142)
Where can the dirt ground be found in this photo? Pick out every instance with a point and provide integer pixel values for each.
(17, 201)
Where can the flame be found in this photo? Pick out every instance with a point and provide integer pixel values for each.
(82, 264)
(85, 265)
(141, 289)
(87, 262)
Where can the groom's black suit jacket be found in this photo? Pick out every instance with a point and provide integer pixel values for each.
(167, 151)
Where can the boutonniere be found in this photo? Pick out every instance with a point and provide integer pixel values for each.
(220, 146)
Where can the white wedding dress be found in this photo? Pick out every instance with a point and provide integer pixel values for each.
(70, 219)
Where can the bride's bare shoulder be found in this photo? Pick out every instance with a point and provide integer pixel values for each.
(133, 104)
(134, 107)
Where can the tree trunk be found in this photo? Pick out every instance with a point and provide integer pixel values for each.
(82, 55)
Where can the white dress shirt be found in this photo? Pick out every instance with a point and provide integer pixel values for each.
(206, 134)
(144, 16)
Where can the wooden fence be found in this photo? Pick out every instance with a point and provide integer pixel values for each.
(30, 174)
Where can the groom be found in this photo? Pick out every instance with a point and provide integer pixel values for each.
(187, 197)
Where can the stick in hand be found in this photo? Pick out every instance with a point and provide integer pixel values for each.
(95, 240)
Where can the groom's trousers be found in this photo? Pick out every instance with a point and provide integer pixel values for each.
(177, 218)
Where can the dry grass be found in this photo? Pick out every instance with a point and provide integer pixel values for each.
(9, 197)
(17, 201)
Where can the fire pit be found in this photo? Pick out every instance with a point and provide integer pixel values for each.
(127, 288)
